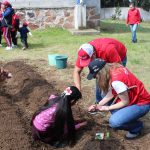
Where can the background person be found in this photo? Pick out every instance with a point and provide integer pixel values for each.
(53, 123)
(1, 32)
(133, 19)
(7, 12)
(14, 29)
(133, 100)
(109, 49)
(24, 30)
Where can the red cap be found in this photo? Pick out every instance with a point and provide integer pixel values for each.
(85, 54)
(85, 59)
(6, 3)
(25, 24)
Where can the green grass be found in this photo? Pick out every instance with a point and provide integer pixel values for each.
(54, 40)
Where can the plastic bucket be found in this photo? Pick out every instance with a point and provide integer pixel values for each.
(61, 62)
(52, 59)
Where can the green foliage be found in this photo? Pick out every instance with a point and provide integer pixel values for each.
(146, 5)
(117, 13)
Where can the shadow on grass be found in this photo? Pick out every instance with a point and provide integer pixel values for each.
(36, 45)
(118, 27)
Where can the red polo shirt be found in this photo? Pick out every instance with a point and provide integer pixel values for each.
(134, 16)
(137, 95)
(108, 49)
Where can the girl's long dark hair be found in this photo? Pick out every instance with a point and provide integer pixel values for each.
(63, 115)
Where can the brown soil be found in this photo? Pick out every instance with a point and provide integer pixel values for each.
(27, 90)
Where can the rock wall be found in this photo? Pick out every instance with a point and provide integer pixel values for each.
(56, 17)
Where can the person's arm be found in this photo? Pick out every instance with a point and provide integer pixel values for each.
(77, 77)
(124, 102)
(139, 16)
(127, 20)
(6, 13)
(106, 99)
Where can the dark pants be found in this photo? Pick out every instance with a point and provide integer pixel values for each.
(13, 37)
(24, 42)
(1, 33)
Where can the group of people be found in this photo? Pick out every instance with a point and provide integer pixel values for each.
(10, 27)
(118, 91)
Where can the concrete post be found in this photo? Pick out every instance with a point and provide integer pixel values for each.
(80, 16)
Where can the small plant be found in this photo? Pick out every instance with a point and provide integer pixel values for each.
(117, 13)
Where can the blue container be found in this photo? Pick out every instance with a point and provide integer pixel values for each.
(61, 62)
(52, 59)
(78, 2)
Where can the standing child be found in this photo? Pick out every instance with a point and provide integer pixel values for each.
(0, 26)
(24, 30)
(53, 123)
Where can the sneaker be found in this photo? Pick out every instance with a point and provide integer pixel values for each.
(24, 48)
(1, 45)
(8, 48)
(130, 135)
(14, 46)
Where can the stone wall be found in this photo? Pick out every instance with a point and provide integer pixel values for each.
(93, 18)
(64, 17)
(41, 18)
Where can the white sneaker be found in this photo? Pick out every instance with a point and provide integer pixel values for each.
(1, 45)
(8, 48)
(14, 46)
(132, 135)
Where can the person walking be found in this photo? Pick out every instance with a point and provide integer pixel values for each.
(133, 19)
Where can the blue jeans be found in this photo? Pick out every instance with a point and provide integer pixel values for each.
(127, 118)
(98, 92)
(133, 28)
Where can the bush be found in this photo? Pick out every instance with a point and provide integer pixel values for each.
(117, 13)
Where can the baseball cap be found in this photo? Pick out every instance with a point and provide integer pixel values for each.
(85, 53)
(6, 3)
(94, 67)
(25, 24)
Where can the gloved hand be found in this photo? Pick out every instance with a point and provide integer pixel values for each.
(18, 34)
(30, 34)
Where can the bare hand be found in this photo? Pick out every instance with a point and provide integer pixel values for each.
(92, 108)
(103, 108)
(4, 74)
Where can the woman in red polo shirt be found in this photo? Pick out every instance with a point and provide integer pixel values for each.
(133, 19)
(132, 101)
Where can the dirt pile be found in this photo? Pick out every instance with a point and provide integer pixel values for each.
(26, 91)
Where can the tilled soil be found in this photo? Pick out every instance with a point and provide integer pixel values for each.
(21, 96)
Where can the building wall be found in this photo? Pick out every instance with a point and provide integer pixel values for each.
(106, 13)
(55, 13)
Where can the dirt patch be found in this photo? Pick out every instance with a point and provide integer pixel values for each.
(27, 90)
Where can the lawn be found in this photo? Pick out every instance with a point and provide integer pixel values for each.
(34, 80)
(54, 40)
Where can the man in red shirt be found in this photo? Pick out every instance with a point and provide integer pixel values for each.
(133, 19)
(107, 49)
